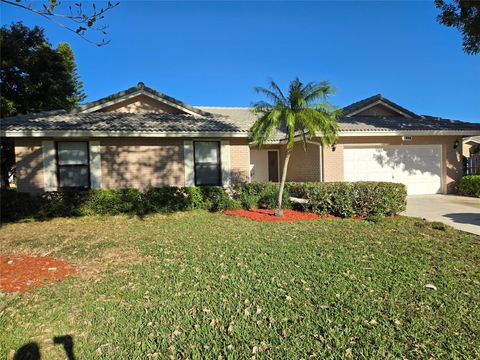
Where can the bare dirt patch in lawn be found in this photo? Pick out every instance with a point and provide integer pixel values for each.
(21, 273)
(117, 259)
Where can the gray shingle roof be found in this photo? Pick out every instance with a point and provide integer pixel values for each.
(218, 119)
(113, 121)
(245, 117)
(394, 123)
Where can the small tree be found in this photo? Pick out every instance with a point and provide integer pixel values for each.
(34, 77)
(465, 16)
(301, 115)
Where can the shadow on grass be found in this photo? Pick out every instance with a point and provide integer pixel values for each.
(31, 351)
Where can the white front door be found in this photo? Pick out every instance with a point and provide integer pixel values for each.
(418, 167)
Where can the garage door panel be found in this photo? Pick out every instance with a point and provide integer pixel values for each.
(419, 168)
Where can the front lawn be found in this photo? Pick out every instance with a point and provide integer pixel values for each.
(202, 285)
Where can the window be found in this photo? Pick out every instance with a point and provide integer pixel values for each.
(73, 165)
(207, 162)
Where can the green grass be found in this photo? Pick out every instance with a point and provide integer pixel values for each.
(200, 285)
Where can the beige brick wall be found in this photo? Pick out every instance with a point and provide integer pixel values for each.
(453, 169)
(454, 164)
(239, 160)
(129, 162)
(333, 163)
(144, 162)
(303, 165)
(29, 163)
(141, 162)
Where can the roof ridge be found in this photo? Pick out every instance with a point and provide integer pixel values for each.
(353, 107)
(223, 107)
(105, 99)
(141, 88)
(362, 101)
(37, 114)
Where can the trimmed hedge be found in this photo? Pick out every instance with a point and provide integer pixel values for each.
(263, 195)
(470, 186)
(342, 199)
(364, 199)
(16, 205)
(345, 199)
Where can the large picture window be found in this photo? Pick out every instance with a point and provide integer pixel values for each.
(73, 165)
(207, 163)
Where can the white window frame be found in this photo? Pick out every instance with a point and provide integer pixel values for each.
(58, 166)
(219, 162)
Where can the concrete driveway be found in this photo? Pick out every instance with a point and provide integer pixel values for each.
(461, 212)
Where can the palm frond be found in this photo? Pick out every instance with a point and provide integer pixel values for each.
(303, 114)
(274, 93)
(265, 127)
(318, 91)
(276, 89)
(261, 107)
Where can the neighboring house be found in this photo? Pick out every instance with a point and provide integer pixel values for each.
(141, 138)
(471, 145)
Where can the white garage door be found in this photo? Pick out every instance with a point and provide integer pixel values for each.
(418, 167)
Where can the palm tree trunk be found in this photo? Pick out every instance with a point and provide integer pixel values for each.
(279, 210)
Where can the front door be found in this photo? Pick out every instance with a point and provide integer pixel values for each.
(273, 165)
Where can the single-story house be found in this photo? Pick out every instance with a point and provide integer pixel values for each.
(142, 138)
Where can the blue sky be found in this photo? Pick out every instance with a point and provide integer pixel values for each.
(214, 53)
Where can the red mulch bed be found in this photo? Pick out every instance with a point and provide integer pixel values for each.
(21, 273)
(269, 216)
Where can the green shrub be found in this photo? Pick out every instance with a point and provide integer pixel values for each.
(217, 199)
(248, 201)
(230, 204)
(68, 203)
(333, 198)
(351, 199)
(269, 198)
(266, 194)
(193, 198)
(114, 202)
(164, 199)
(367, 199)
(470, 186)
(17, 205)
(379, 198)
(64, 203)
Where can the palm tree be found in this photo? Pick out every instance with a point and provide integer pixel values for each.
(301, 115)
